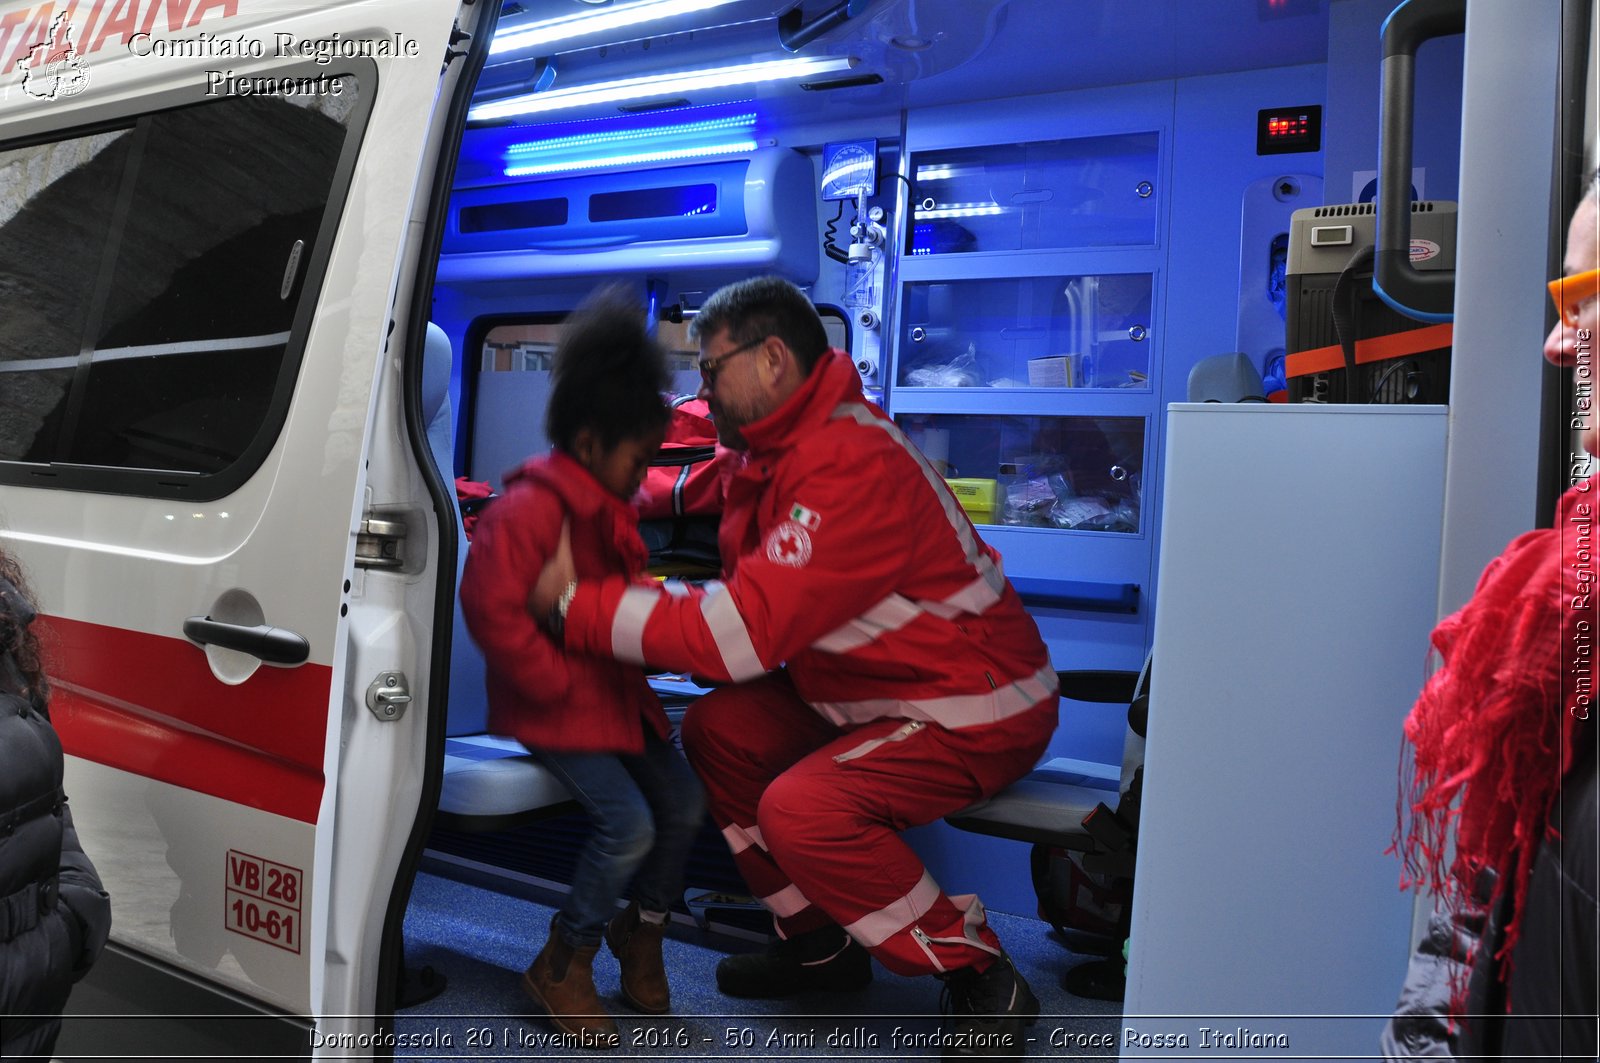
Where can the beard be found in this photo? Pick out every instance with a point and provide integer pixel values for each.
(729, 424)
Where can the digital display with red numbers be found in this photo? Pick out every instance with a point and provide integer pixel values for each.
(1281, 130)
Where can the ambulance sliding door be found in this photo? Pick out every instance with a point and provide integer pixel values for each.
(198, 283)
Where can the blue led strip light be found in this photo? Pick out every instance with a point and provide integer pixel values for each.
(629, 159)
(631, 136)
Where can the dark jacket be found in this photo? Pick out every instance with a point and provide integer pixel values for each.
(1553, 985)
(54, 917)
(538, 693)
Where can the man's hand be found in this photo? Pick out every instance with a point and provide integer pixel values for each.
(554, 577)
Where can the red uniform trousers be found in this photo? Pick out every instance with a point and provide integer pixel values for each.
(812, 813)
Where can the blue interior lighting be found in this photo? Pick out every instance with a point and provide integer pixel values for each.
(610, 143)
(635, 158)
(630, 136)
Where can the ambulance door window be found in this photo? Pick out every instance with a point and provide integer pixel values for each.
(55, 200)
(153, 348)
(509, 393)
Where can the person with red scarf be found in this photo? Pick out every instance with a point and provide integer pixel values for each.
(1504, 794)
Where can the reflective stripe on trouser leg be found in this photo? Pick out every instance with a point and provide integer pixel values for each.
(946, 930)
(738, 739)
(834, 826)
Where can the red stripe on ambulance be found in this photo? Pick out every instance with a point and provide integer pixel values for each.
(149, 705)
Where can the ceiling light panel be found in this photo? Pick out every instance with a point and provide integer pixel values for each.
(589, 23)
(670, 84)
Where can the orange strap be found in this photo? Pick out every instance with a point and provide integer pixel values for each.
(1377, 349)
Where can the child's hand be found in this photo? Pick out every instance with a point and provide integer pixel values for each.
(554, 577)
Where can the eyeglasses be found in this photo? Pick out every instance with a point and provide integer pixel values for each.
(1571, 293)
(712, 366)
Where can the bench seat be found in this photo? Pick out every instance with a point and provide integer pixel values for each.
(1046, 806)
(492, 782)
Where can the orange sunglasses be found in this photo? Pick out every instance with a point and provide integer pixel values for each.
(1570, 293)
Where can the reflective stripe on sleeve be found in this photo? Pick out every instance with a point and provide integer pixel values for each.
(954, 711)
(741, 838)
(627, 626)
(739, 655)
(891, 614)
(875, 928)
(976, 596)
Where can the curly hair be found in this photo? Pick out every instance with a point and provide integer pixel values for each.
(18, 640)
(609, 373)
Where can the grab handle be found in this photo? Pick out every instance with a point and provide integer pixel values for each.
(1425, 296)
(275, 645)
(794, 33)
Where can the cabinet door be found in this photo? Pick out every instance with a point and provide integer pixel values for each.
(1055, 472)
(1051, 194)
(1052, 331)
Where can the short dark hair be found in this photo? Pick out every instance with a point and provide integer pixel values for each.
(609, 373)
(764, 306)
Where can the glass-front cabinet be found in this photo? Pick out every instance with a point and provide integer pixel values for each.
(1026, 363)
(1032, 332)
(1033, 392)
(1084, 192)
(1052, 472)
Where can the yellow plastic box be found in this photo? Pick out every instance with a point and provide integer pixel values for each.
(975, 496)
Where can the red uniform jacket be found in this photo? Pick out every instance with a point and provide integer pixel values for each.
(539, 694)
(848, 560)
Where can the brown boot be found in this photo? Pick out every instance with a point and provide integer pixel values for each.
(562, 983)
(637, 944)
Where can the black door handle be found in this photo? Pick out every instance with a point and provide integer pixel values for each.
(275, 645)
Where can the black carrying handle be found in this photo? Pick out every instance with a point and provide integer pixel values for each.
(1426, 296)
(275, 645)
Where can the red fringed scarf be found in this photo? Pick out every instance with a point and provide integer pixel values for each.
(1496, 727)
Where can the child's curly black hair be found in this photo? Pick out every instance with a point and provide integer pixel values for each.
(609, 373)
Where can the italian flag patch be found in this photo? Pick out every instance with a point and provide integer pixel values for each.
(806, 518)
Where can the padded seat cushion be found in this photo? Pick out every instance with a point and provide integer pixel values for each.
(486, 775)
(1044, 807)
(1088, 773)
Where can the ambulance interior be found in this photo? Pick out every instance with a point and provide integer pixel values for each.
(1087, 255)
(1032, 225)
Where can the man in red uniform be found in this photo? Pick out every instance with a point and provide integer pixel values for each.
(882, 672)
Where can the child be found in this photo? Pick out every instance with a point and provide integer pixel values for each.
(594, 722)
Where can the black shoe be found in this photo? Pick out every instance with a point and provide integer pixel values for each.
(1097, 980)
(826, 960)
(988, 1012)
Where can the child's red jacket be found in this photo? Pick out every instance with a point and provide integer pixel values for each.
(539, 694)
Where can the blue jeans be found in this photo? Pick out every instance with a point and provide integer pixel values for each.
(645, 811)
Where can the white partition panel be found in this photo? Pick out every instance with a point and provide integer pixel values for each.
(1299, 567)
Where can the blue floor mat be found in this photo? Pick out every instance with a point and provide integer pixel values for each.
(483, 1014)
